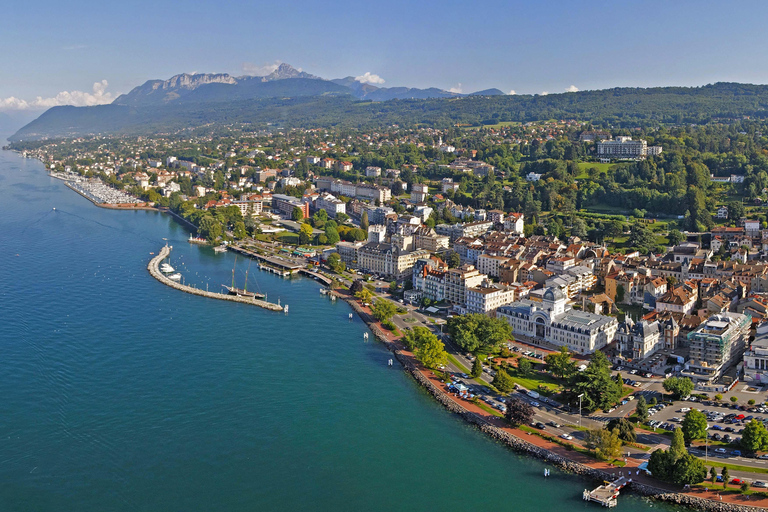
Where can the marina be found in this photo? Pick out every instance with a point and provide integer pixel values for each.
(154, 270)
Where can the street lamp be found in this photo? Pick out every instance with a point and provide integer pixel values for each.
(581, 395)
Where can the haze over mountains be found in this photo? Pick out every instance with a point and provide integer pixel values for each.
(289, 97)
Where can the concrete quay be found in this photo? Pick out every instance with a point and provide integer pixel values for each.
(154, 270)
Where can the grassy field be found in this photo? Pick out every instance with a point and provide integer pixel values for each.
(287, 238)
(497, 125)
(588, 165)
(534, 380)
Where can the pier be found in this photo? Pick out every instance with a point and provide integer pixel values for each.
(153, 268)
(607, 494)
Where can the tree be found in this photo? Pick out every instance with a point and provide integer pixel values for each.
(210, 228)
(641, 409)
(560, 363)
(393, 287)
(596, 383)
(518, 412)
(432, 353)
(239, 230)
(606, 443)
(579, 228)
(694, 425)
(332, 235)
(297, 215)
(712, 474)
(364, 221)
(744, 486)
(453, 259)
(681, 387)
(365, 295)
(417, 337)
(688, 470)
(718, 397)
(384, 309)
(625, 428)
(334, 263)
(724, 474)
(755, 437)
(524, 366)
(660, 465)
(734, 399)
(356, 286)
(620, 293)
(477, 368)
(677, 446)
(502, 381)
(478, 333)
(675, 237)
(641, 237)
(305, 234)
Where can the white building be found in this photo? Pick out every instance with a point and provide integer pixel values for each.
(554, 321)
(716, 345)
(377, 233)
(756, 357)
(331, 204)
(488, 297)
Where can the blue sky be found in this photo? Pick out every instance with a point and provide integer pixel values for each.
(62, 51)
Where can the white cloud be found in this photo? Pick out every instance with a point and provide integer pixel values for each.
(544, 93)
(572, 88)
(512, 92)
(369, 78)
(249, 68)
(99, 96)
(456, 89)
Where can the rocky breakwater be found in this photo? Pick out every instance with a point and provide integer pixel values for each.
(154, 270)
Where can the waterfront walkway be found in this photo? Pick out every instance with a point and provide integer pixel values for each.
(154, 270)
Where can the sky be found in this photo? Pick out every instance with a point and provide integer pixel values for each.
(84, 52)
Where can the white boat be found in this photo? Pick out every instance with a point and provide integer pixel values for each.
(166, 268)
(175, 277)
(220, 248)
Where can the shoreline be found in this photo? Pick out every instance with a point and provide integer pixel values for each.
(520, 445)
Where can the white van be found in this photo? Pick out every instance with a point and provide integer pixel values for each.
(533, 394)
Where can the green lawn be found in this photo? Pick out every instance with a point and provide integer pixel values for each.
(534, 380)
(489, 409)
(287, 238)
(460, 366)
(588, 165)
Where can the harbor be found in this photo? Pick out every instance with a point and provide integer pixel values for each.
(607, 494)
(154, 270)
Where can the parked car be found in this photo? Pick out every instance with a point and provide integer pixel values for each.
(540, 425)
(758, 483)
(736, 453)
(553, 424)
(567, 436)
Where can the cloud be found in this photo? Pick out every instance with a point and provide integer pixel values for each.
(249, 68)
(456, 89)
(544, 93)
(512, 92)
(572, 88)
(369, 78)
(99, 96)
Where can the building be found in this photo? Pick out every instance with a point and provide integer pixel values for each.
(716, 345)
(457, 280)
(756, 357)
(625, 147)
(388, 260)
(722, 212)
(488, 297)
(638, 340)
(331, 204)
(252, 207)
(286, 204)
(490, 265)
(514, 222)
(419, 192)
(554, 321)
(377, 233)
(348, 252)
(372, 172)
(448, 184)
(426, 238)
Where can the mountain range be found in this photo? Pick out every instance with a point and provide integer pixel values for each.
(285, 81)
(289, 97)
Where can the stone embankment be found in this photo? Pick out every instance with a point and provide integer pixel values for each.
(154, 270)
(523, 446)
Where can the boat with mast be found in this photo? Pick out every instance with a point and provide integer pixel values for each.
(242, 292)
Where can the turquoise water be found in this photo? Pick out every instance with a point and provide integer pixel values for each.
(121, 394)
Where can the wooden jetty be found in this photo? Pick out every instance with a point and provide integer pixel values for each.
(607, 494)
(153, 268)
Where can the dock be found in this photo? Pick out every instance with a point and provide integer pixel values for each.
(607, 494)
(154, 270)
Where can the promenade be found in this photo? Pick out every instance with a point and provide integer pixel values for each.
(154, 270)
